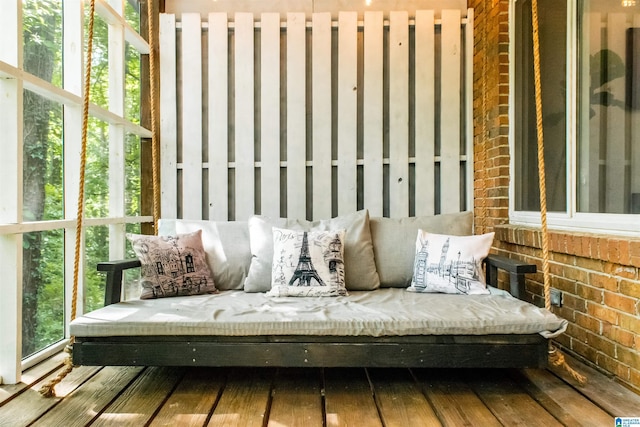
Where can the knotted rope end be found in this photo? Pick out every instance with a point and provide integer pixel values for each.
(48, 389)
(556, 358)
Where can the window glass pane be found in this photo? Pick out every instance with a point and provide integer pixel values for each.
(552, 17)
(96, 250)
(42, 159)
(132, 14)
(609, 107)
(42, 30)
(42, 290)
(97, 169)
(99, 90)
(131, 286)
(132, 175)
(132, 85)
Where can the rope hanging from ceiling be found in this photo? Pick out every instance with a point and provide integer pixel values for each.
(556, 358)
(48, 389)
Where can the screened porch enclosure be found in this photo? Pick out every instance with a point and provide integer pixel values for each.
(309, 117)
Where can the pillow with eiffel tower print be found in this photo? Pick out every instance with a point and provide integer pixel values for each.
(307, 263)
(450, 264)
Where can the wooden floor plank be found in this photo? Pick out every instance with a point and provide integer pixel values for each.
(31, 376)
(511, 404)
(297, 398)
(455, 403)
(564, 403)
(400, 400)
(314, 397)
(86, 402)
(245, 399)
(612, 397)
(139, 402)
(349, 400)
(31, 405)
(192, 401)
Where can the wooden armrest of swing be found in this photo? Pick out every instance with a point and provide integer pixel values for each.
(516, 269)
(114, 269)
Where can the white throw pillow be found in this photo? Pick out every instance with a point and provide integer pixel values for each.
(450, 264)
(307, 263)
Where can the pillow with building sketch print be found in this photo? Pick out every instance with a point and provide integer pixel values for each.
(450, 264)
(172, 265)
(307, 263)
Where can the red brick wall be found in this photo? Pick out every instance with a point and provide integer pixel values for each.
(598, 275)
(599, 278)
(491, 120)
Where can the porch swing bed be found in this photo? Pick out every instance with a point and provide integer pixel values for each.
(381, 328)
(384, 326)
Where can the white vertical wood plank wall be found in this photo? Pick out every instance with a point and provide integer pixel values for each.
(304, 117)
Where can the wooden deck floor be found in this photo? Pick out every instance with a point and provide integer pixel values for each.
(313, 397)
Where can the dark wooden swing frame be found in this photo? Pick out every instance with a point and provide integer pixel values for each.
(433, 351)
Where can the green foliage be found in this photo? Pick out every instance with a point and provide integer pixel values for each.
(44, 254)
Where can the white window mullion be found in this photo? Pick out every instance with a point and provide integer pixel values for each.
(116, 133)
(572, 107)
(73, 68)
(11, 204)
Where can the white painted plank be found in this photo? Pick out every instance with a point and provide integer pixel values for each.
(11, 209)
(218, 136)
(191, 116)
(11, 313)
(168, 117)
(244, 116)
(116, 136)
(296, 115)
(372, 114)
(398, 114)
(425, 112)
(270, 111)
(450, 112)
(468, 106)
(616, 192)
(74, 72)
(321, 133)
(347, 111)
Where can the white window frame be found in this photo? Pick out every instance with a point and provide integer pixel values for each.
(13, 79)
(572, 220)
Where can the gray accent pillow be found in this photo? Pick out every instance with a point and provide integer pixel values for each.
(226, 244)
(394, 241)
(359, 262)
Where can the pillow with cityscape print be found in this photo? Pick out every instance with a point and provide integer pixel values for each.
(172, 265)
(307, 263)
(450, 264)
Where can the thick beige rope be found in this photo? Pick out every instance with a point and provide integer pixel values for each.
(484, 143)
(48, 389)
(155, 151)
(556, 358)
